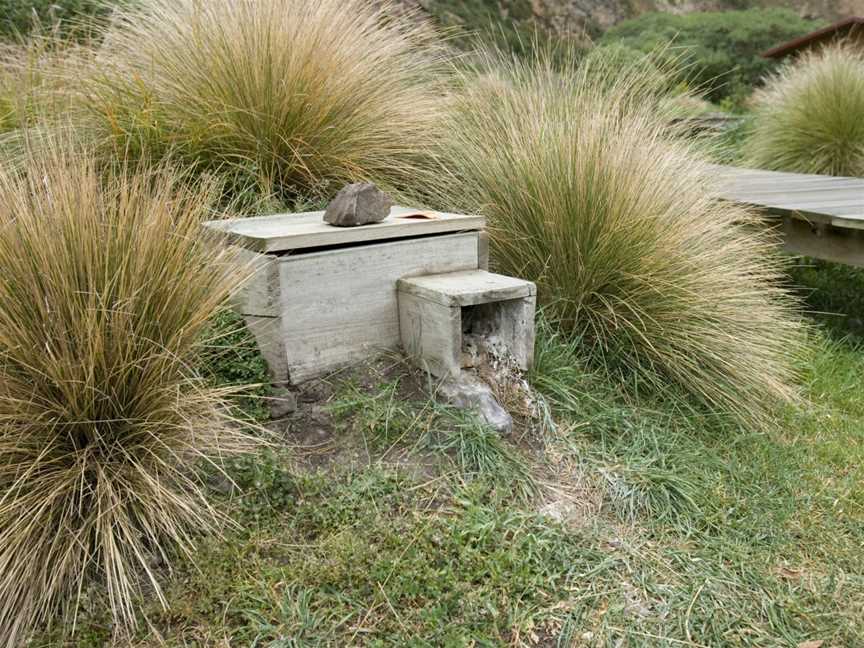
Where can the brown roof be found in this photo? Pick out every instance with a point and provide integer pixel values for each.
(838, 29)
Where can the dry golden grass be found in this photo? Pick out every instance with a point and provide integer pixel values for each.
(292, 97)
(107, 286)
(616, 218)
(808, 118)
(35, 78)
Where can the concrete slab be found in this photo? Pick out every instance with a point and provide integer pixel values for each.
(468, 288)
(283, 233)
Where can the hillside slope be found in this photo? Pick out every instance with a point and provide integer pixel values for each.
(592, 17)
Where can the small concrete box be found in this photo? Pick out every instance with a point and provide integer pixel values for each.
(436, 311)
(323, 296)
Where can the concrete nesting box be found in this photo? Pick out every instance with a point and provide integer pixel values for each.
(323, 296)
(437, 311)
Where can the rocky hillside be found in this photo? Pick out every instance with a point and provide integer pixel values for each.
(592, 17)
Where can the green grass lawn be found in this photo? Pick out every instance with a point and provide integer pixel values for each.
(613, 520)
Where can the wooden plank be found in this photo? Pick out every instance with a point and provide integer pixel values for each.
(827, 197)
(851, 222)
(821, 242)
(824, 206)
(340, 306)
(285, 232)
(467, 288)
(821, 199)
(796, 191)
(775, 178)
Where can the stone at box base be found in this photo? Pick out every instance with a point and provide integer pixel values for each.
(470, 393)
(358, 204)
(282, 403)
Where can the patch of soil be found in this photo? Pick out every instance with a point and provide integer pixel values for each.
(319, 439)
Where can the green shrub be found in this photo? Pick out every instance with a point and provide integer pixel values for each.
(232, 357)
(617, 222)
(19, 17)
(722, 49)
(108, 284)
(730, 142)
(293, 97)
(618, 57)
(809, 116)
(608, 62)
(833, 293)
(508, 24)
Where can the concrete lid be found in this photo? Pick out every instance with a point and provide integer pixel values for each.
(467, 288)
(284, 232)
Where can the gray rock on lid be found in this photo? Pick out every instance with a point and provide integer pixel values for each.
(358, 204)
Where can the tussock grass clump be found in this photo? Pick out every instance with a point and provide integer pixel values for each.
(589, 194)
(36, 77)
(292, 97)
(808, 116)
(107, 285)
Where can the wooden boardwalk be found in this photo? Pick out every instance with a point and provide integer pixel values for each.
(818, 216)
